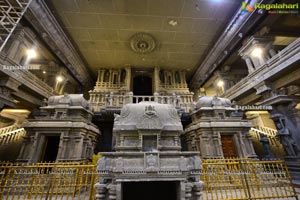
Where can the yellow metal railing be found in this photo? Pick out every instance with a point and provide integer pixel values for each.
(47, 181)
(234, 178)
(8, 129)
(12, 136)
(238, 178)
(275, 145)
(271, 134)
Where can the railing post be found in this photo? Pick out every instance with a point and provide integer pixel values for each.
(106, 100)
(111, 96)
(245, 179)
(130, 97)
(174, 100)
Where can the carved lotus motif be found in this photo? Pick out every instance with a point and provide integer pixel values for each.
(142, 43)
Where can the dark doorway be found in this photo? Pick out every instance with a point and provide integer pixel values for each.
(51, 148)
(142, 85)
(105, 140)
(154, 190)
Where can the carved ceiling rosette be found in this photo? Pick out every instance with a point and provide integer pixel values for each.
(142, 43)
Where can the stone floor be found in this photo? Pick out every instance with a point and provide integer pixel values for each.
(86, 197)
(236, 194)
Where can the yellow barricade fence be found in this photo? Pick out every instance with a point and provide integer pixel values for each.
(234, 178)
(47, 181)
(238, 178)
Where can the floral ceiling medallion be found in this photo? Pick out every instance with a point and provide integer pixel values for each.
(142, 43)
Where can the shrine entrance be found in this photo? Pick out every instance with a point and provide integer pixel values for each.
(228, 146)
(150, 190)
(142, 85)
(50, 150)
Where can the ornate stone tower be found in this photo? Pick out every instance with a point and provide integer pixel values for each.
(148, 163)
(62, 131)
(217, 131)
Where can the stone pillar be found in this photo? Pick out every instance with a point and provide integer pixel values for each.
(258, 61)
(188, 191)
(34, 142)
(156, 79)
(100, 191)
(182, 78)
(100, 76)
(197, 190)
(182, 190)
(130, 97)
(249, 64)
(156, 94)
(128, 77)
(14, 48)
(112, 192)
(272, 52)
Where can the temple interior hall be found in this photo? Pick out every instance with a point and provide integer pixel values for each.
(163, 90)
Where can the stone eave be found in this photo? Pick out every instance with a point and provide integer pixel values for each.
(225, 125)
(66, 107)
(60, 124)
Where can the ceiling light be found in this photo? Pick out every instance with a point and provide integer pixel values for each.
(173, 22)
(220, 83)
(257, 52)
(31, 53)
(44, 72)
(59, 78)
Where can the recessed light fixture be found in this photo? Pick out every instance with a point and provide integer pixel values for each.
(257, 52)
(173, 22)
(220, 83)
(31, 53)
(59, 79)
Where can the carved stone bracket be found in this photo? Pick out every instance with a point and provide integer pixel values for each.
(262, 87)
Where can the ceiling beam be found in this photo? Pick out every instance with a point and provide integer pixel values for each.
(46, 25)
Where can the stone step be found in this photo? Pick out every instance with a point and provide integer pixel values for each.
(294, 170)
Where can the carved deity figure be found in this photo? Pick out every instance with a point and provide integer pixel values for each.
(151, 161)
(290, 145)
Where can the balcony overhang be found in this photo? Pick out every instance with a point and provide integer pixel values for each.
(235, 32)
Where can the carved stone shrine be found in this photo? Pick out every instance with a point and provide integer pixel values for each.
(218, 131)
(147, 162)
(60, 131)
